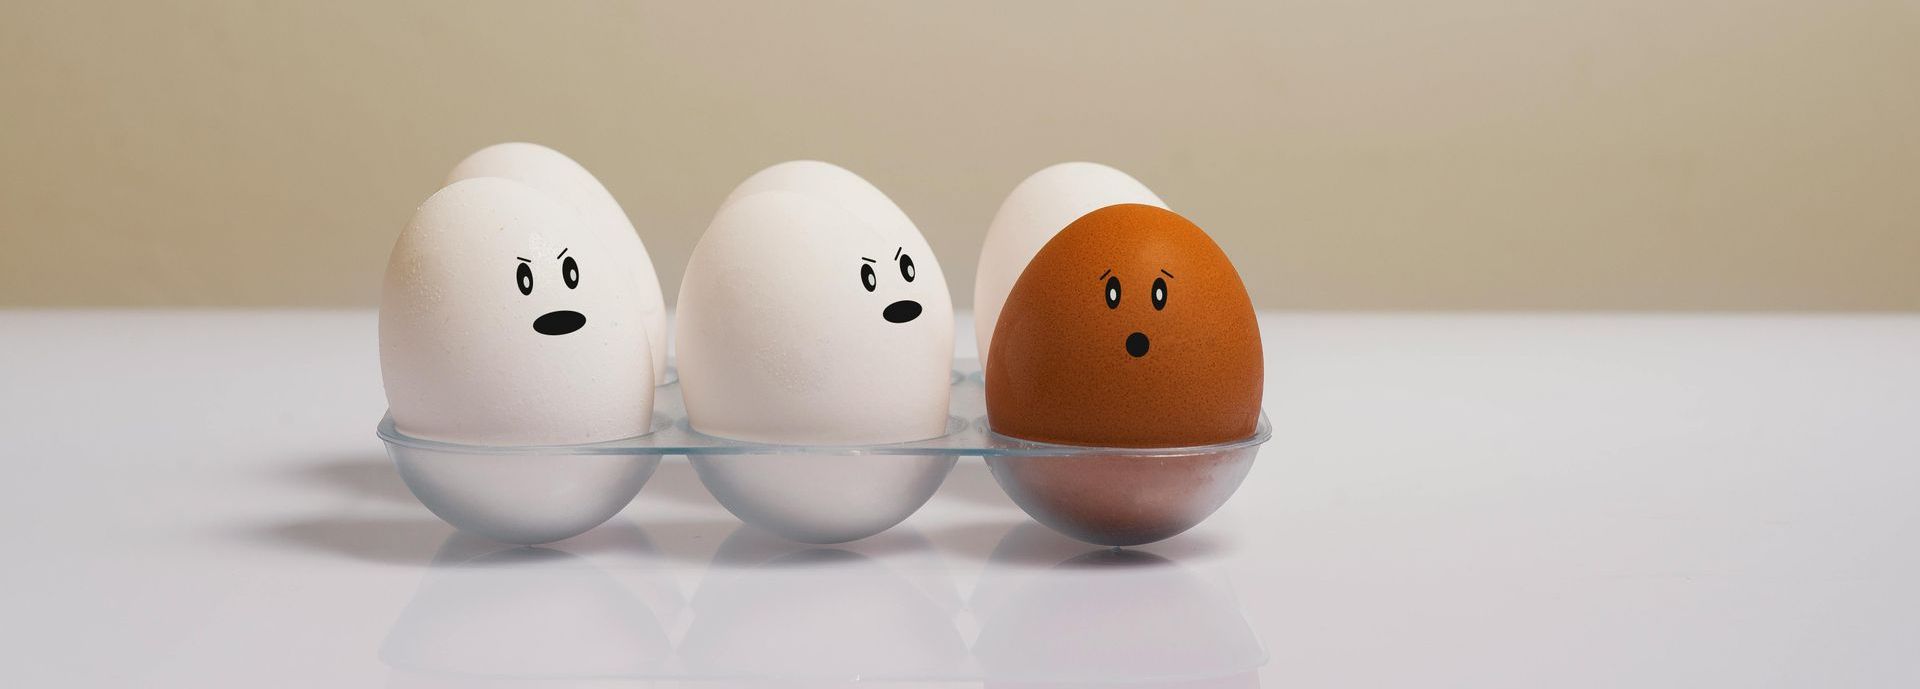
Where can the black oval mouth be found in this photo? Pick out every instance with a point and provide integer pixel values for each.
(559, 322)
(902, 311)
(1137, 344)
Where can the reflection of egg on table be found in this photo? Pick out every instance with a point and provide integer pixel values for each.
(554, 173)
(1112, 617)
(1037, 209)
(810, 615)
(495, 615)
(504, 321)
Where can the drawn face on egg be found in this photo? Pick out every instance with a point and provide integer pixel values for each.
(901, 311)
(911, 258)
(798, 322)
(1137, 343)
(1129, 328)
(559, 322)
(622, 254)
(503, 321)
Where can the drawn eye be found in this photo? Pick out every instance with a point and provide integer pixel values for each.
(867, 278)
(906, 267)
(570, 272)
(525, 277)
(1159, 294)
(1113, 292)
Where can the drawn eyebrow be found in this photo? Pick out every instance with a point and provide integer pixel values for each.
(896, 253)
(1103, 276)
(869, 260)
(522, 260)
(563, 254)
(1163, 271)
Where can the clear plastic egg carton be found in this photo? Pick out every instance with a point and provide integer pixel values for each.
(823, 494)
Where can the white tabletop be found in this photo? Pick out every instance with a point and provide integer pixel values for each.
(197, 499)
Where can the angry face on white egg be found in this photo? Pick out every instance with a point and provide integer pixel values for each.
(800, 323)
(901, 311)
(553, 322)
(553, 172)
(503, 321)
(854, 194)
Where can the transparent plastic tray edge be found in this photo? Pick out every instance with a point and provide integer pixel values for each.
(672, 434)
(678, 438)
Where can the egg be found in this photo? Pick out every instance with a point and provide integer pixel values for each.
(553, 172)
(505, 320)
(1130, 328)
(801, 324)
(853, 193)
(1036, 210)
(836, 185)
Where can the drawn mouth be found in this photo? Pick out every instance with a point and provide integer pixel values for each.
(902, 311)
(559, 322)
(1137, 345)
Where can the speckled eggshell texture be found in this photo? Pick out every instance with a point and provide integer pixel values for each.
(503, 321)
(553, 172)
(1129, 329)
(1038, 209)
(798, 323)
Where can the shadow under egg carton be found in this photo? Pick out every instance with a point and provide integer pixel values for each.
(823, 494)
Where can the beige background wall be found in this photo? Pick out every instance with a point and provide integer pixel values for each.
(1348, 154)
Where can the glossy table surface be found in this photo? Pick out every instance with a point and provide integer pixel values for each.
(198, 499)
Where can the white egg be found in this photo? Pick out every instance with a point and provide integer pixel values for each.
(553, 172)
(1039, 208)
(866, 202)
(800, 324)
(505, 320)
(832, 183)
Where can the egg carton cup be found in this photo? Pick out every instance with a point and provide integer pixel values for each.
(823, 494)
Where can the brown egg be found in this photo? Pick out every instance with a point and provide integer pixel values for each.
(1130, 328)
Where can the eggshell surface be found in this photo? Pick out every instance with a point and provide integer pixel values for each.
(503, 321)
(837, 185)
(554, 173)
(1129, 329)
(1032, 214)
(854, 194)
(800, 324)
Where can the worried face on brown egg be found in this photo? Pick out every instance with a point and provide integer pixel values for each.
(1138, 344)
(564, 271)
(897, 311)
(1130, 328)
